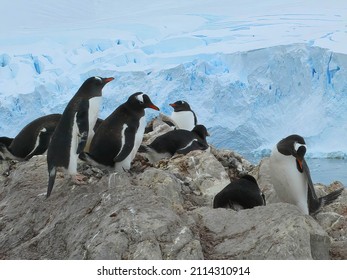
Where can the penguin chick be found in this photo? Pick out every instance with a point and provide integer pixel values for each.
(291, 177)
(240, 194)
(118, 138)
(73, 130)
(178, 141)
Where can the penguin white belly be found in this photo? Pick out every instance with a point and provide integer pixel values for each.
(73, 156)
(93, 112)
(184, 119)
(126, 163)
(290, 185)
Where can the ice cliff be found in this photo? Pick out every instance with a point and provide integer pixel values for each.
(248, 100)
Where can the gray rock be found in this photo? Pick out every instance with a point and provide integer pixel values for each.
(156, 212)
(332, 218)
(277, 231)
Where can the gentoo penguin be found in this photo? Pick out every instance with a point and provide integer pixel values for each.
(183, 116)
(178, 141)
(240, 194)
(291, 177)
(74, 128)
(32, 140)
(118, 138)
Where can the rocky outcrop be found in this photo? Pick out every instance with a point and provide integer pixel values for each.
(157, 212)
(332, 218)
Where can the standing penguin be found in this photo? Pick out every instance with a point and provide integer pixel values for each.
(242, 193)
(74, 128)
(119, 136)
(32, 140)
(291, 177)
(183, 115)
(178, 141)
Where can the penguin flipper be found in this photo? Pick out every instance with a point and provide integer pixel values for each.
(83, 125)
(127, 145)
(314, 204)
(44, 138)
(193, 145)
(52, 174)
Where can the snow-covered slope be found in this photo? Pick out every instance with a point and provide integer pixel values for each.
(253, 72)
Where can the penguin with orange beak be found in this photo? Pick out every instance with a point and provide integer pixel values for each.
(119, 136)
(291, 176)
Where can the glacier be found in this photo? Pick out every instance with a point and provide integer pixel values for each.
(254, 72)
(248, 100)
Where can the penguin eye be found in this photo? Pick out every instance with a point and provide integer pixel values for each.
(98, 79)
(140, 98)
(298, 145)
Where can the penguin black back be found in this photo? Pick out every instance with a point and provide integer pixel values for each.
(34, 138)
(244, 192)
(181, 141)
(115, 138)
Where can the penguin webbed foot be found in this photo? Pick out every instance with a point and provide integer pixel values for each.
(127, 171)
(79, 179)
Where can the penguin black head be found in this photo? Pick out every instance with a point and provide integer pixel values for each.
(180, 106)
(93, 86)
(201, 131)
(249, 178)
(295, 146)
(6, 141)
(141, 101)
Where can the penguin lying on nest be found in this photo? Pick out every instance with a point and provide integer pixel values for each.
(240, 194)
(32, 140)
(178, 141)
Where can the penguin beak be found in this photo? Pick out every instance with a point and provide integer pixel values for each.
(299, 163)
(300, 153)
(173, 105)
(152, 106)
(106, 80)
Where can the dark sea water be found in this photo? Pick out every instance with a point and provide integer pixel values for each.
(323, 170)
(326, 171)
